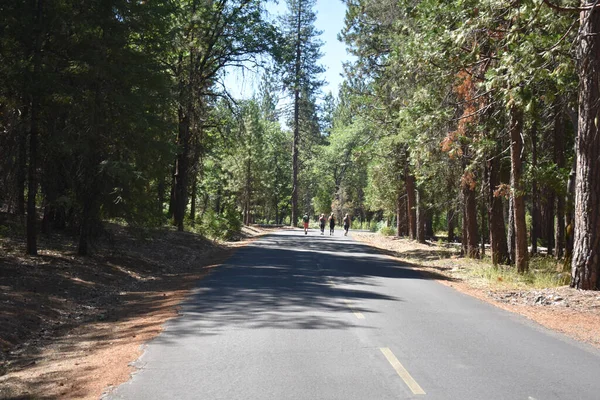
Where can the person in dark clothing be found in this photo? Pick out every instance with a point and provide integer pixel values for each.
(305, 219)
(346, 224)
(331, 224)
(322, 223)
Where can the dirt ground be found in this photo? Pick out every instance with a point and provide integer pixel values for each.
(575, 313)
(70, 325)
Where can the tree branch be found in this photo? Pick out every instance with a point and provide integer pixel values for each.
(567, 9)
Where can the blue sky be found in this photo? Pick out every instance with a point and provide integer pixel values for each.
(330, 20)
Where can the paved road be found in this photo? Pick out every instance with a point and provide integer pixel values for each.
(320, 317)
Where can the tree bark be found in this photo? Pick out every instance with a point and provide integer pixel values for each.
(547, 218)
(401, 215)
(420, 218)
(510, 239)
(181, 169)
(161, 196)
(470, 223)
(516, 150)
(411, 205)
(22, 163)
(534, 192)
(193, 200)
(559, 159)
(33, 132)
(429, 233)
(498, 242)
(296, 142)
(585, 270)
(570, 212)
(450, 219)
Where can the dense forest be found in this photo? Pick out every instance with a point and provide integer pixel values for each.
(468, 120)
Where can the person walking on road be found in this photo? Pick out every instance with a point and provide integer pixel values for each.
(322, 223)
(305, 219)
(331, 224)
(346, 224)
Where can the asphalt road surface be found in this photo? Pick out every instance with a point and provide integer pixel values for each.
(320, 317)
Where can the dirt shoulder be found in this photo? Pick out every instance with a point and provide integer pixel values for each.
(572, 312)
(70, 326)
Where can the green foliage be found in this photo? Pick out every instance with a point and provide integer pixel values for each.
(221, 226)
(387, 231)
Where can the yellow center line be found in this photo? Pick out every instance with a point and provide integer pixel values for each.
(357, 314)
(402, 372)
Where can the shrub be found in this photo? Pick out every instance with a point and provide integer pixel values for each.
(387, 231)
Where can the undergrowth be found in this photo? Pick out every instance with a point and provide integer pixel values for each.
(544, 272)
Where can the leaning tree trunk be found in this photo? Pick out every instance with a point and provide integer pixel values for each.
(498, 244)
(585, 265)
(516, 149)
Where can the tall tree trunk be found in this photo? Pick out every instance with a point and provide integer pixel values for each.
(483, 217)
(411, 205)
(510, 240)
(450, 219)
(22, 163)
(296, 142)
(429, 224)
(34, 131)
(171, 209)
(248, 190)
(547, 218)
(570, 212)
(516, 150)
(420, 218)
(483, 209)
(181, 169)
(498, 243)
(470, 223)
(534, 192)
(401, 215)
(585, 267)
(161, 196)
(193, 200)
(559, 159)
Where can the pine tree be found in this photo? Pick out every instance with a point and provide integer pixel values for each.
(300, 71)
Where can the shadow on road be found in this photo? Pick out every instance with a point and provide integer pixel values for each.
(285, 282)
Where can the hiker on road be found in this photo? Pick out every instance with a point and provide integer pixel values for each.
(346, 224)
(331, 224)
(305, 219)
(322, 223)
